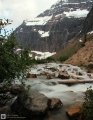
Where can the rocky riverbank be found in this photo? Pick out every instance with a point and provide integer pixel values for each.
(48, 98)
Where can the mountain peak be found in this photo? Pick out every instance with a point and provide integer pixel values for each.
(67, 5)
(56, 27)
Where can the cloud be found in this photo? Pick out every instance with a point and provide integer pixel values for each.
(19, 10)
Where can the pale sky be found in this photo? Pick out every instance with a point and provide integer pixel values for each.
(19, 10)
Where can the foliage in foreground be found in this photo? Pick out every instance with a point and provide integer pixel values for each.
(12, 64)
(87, 107)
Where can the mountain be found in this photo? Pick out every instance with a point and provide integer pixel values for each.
(80, 52)
(55, 28)
(88, 23)
(84, 55)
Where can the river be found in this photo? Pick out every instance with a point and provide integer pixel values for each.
(69, 95)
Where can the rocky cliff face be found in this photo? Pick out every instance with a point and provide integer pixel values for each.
(55, 28)
(58, 38)
(67, 5)
(84, 56)
(88, 23)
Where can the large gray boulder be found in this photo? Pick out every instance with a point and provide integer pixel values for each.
(63, 75)
(56, 103)
(17, 89)
(5, 110)
(32, 104)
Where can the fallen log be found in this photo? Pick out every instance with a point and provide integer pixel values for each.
(71, 82)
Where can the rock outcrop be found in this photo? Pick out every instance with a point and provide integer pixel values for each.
(74, 112)
(88, 23)
(29, 105)
(55, 103)
(5, 110)
(31, 76)
(61, 29)
(63, 75)
(84, 55)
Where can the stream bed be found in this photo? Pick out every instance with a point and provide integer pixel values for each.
(69, 95)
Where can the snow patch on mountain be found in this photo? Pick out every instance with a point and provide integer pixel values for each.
(70, 3)
(38, 21)
(90, 32)
(77, 14)
(43, 33)
(42, 55)
(37, 54)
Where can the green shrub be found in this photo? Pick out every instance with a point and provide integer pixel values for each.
(84, 41)
(42, 61)
(87, 107)
(63, 58)
(12, 64)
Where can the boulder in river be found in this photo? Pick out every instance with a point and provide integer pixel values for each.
(17, 89)
(32, 104)
(63, 75)
(31, 76)
(56, 103)
(5, 110)
(74, 112)
(50, 76)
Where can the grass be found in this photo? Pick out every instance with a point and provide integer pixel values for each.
(68, 51)
(72, 48)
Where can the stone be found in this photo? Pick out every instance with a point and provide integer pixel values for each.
(73, 77)
(4, 89)
(17, 89)
(63, 75)
(5, 98)
(31, 104)
(90, 65)
(56, 103)
(60, 66)
(54, 69)
(5, 110)
(48, 119)
(31, 76)
(50, 76)
(74, 112)
(80, 73)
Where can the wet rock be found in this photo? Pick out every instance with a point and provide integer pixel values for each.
(56, 103)
(60, 66)
(63, 75)
(80, 74)
(43, 73)
(74, 112)
(89, 74)
(5, 110)
(50, 76)
(17, 89)
(31, 76)
(32, 104)
(4, 88)
(73, 77)
(48, 119)
(4, 98)
(90, 65)
(80, 78)
(54, 69)
(39, 69)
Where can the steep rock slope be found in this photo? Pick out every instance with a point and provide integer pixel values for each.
(55, 28)
(83, 56)
(58, 38)
(88, 23)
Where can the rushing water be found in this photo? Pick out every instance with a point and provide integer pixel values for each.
(69, 95)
